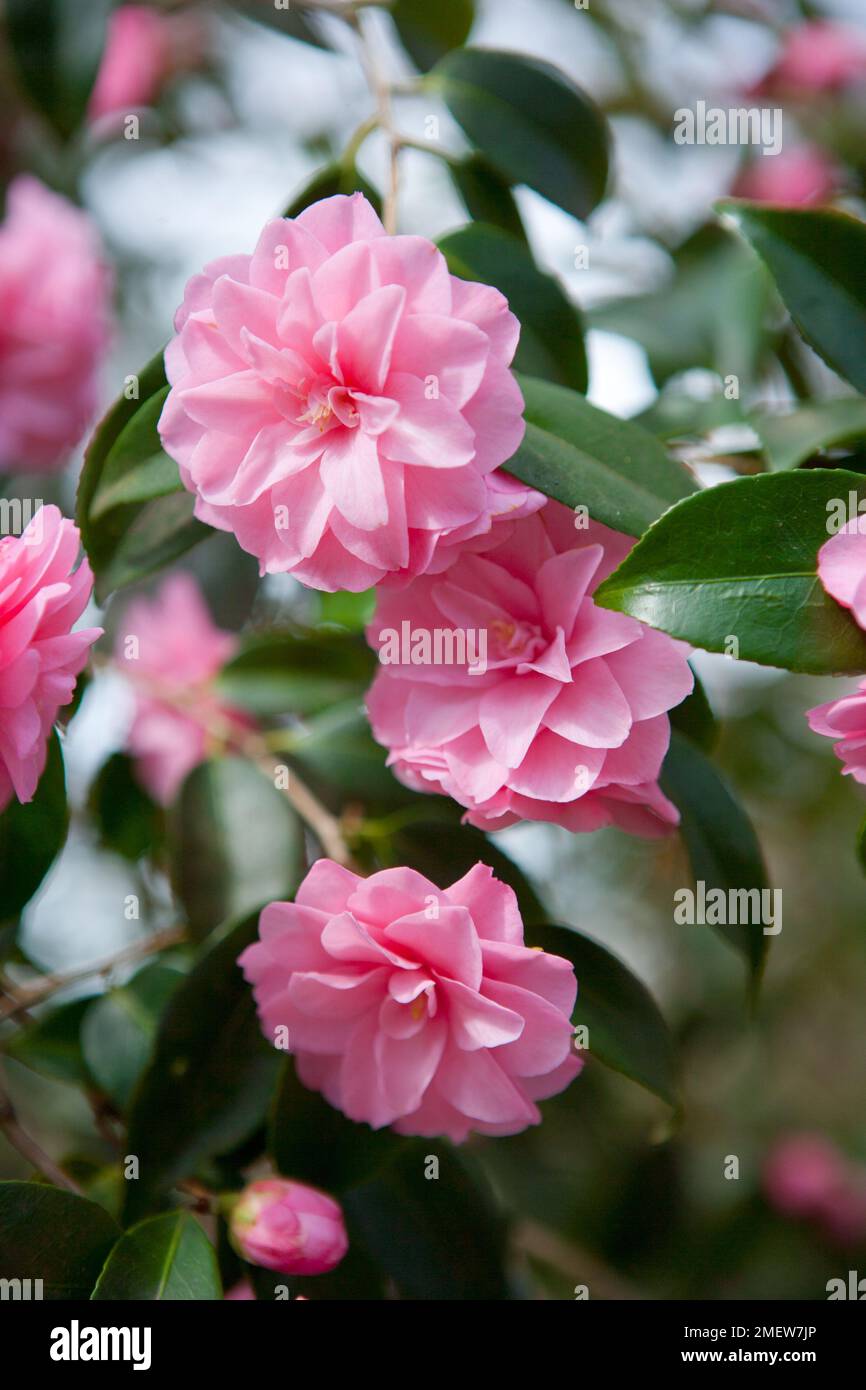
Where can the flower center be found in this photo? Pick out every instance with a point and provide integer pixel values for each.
(328, 403)
(511, 640)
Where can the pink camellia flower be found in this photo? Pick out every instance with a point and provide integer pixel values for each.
(171, 651)
(845, 721)
(241, 1292)
(340, 401)
(54, 326)
(41, 597)
(818, 56)
(800, 177)
(414, 1006)
(555, 710)
(806, 1176)
(138, 56)
(288, 1227)
(842, 572)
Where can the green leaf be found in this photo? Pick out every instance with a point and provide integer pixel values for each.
(791, 439)
(427, 32)
(436, 1238)
(487, 196)
(444, 852)
(551, 329)
(290, 674)
(308, 1139)
(128, 821)
(135, 514)
(337, 756)
(722, 844)
(334, 178)
(626, 1030)
(740, 560)
(164, 1257)
(56, 48)
(31, 836)
(584, 457)
(55, 1236)
(235, 843)
(289, 21)
(208, 1085)
(531, 123)
(694, 718)
(817, 258)
(119, 1029)
(52, 1045)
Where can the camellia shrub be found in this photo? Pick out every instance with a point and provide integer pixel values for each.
(341, 992)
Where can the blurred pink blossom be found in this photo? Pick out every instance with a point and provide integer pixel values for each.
(171, 651)
(55, 291)
(289, 1227)
(41, 598)
(817, 56)
(414, 1006)
(144, 47)
(806, 1176)
(799, 177)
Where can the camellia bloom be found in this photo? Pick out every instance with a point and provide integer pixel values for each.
(340, 401)
(41, 597)
(143, 47)
(171, 651)
(288, 1227)
(842, 572)
(54, 294)
(559, 711)
(818, 56)
(806, 1176)
(800, 177)
(414, 1006)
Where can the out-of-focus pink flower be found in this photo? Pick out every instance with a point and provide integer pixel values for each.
(139, 53)
(799, 177)
(41, 597)
(414, 1006)
(842, 571)
(564, 719)
(54, 326)
(171, 651)
(288, 1227)
(240, 1293)
(806, 1176)
(339, 401)
(818, 56)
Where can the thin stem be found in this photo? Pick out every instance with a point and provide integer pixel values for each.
(381, 91)
(27, 1146)
(26, 997)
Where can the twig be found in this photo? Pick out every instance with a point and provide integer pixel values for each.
(381, 91)
(27, 1146)
(27, 996)
(574, 1263)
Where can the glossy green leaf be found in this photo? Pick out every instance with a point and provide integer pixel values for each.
(56, 47)
(435, 1237)
(531, 123)
(625, 1027)
(55, 1236)
(234, 841)
(791, 439)
(740, 561)
(31, 836)
(486, 194)
(334, 178)
(208, 1085)
(52, 1045)
(285, 674)
(694, 718)
(128, 821)
(427, 32)
(163, 1257)
(722, 844)
(119, 1029)
(551, 329)
(584, 457)
(817, 257)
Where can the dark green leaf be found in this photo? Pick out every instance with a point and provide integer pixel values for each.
(56, 48)
(487, 196)
(288, 20)
(723, 847)
(328, 182)
(436, 1237)
(211, 1077)
(287, 674)
(740, 561)
(129, 822)
(791, 439)
(427, 32)
(626, 1030)
(694, 718)
(817, 258)
(52, 1045)
(235, 843)
(164, 1257)
(337, 756)
(32, 836)
(54, 1236)
(584, 457)
(531, 123)
(119, 1029)
(315, 1143)
(551, 329)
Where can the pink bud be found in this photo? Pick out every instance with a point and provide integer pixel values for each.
(288, 1227)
